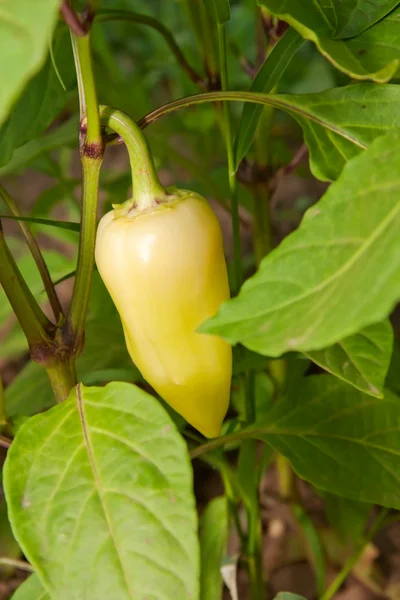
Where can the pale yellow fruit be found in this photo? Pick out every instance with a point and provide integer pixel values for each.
(165, 270)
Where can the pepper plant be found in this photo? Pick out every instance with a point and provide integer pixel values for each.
(233, 97)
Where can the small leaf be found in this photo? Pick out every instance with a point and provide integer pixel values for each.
(31, 589)
(316, 287)
(266, 79)
(104, 506)
(25, 28)
(361, 359)
(213, 540)
(218, 10)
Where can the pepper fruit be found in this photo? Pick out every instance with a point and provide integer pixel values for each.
(161, 258)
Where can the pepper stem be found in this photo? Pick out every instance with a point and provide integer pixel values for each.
(147, 189)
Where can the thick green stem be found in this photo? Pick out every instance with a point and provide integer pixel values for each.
(87, 93)
(62, 378)
(92, 150)
(37, 256)
(80, 297)
(146, 186)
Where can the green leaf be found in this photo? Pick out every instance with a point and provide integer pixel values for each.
(339, 439)
(41, 101)
(352, 18)
(25, 31)
(213, 540)
(104, 506)
(65, 135)
(333, 276)
(266, 79)
(361, 359)
(219, 10)
(361, 57)
(31, 589)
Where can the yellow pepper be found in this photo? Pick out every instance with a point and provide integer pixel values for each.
(161, 258)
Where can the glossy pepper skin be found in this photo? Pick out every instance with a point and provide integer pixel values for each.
(165, 270)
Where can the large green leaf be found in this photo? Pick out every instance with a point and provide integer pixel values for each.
(361, 359)
(213, 540)
(361, 57)
(31, 589)
(337, 273)
(99, 491)
(339, 439)
(41, 101)
(25, 31)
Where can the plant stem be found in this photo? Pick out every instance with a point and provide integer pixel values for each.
(242, 96)
(16, 564)
(33, 321)
(92, 150)
(3, 414)
(353, 560)
(37, 256)
(146, 185)
(254, 545)
(237, 254)
(62, 378)
(262, 235)
(87, 93)
(126, 15)
(80, 297)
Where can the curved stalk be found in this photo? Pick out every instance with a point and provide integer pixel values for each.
(126, 15)
(255, 97)
(145, 182)
(37, 256)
